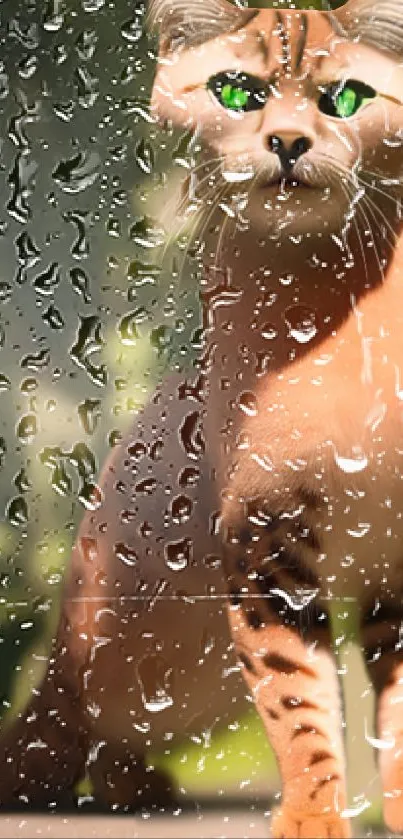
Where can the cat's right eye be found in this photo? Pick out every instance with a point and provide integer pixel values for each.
(238, 92)
(344, 100)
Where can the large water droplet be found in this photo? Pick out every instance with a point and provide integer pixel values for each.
(46, 282)
(248, 403)
(86, 44)
(301, 322)
(87, 87)
(155, 679)
(147, 233)
(178, 554)
(125, 554)
(127, 330)
(181, 509)
(78, 172)
(144, 155)
(132, 30)
(17, 511)
(356, 462)
(81, 284)
(27, 428)
(89, 413)
(191, 435)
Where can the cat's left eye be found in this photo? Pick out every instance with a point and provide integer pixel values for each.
(238, 92)
(343, 100)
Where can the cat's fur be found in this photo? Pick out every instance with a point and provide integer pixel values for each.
(273, 472)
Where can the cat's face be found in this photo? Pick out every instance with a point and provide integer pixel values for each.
(299, 111)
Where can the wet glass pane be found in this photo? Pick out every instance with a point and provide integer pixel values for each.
(200, 447)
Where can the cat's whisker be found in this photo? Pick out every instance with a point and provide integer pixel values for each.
(349, 184)
(172, 238)
(376, 188)
(369, 229)
(221, 238)
(181, 203)
(357, 185)
(344, 189)
(216, 192)
(348, 188)
(191, 235)
(380, 176)
(389, 237)
(367, 187)
(210, 174)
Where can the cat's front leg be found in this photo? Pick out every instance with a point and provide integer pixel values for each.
(284, 649)
(382, 642)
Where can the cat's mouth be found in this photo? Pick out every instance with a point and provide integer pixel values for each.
(285, 183)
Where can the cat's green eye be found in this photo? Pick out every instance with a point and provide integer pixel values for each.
(238, 92)
(344, 100)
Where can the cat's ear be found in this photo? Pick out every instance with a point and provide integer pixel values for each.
(378, 23)
(187, 23)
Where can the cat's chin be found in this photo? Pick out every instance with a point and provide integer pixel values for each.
(295, 208)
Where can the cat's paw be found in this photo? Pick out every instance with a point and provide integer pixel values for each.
(294, 824)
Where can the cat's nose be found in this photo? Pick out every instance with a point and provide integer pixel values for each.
(289, 147)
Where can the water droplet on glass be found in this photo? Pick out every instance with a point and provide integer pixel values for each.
(301, 322)
(356, 462)
(269, 331)
(127, 330)
(27, 428)
(161, 338)
(28, 254)
(36, 361)
(81, 283)
(22, 182)
(155, 679)
(86, 44)
(189, 477)
(191, 435)
(53, 318)
(361, 530)
(132, 30)
(382, 744)
(92, 5)
(144, 155)
(248, 403)
(17, 511)
(28, 66)
(125, 554)
(181, 509)
(89, 341)
(178, 554)
(87, 87)
(5, 383)
(147, 233)
(4, 82)
(77, 173)
(53, 18)
(143, 273)
(89, 413)
(46, 282)
(6, 291)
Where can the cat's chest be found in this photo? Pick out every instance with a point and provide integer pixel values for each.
(332, 426)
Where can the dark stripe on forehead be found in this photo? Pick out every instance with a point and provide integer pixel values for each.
(282, 33)
(303, 36)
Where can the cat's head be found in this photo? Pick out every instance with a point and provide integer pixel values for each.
(302, 110)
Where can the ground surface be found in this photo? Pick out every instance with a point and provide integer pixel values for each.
(249, 820)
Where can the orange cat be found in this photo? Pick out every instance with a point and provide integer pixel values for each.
(273, 471)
